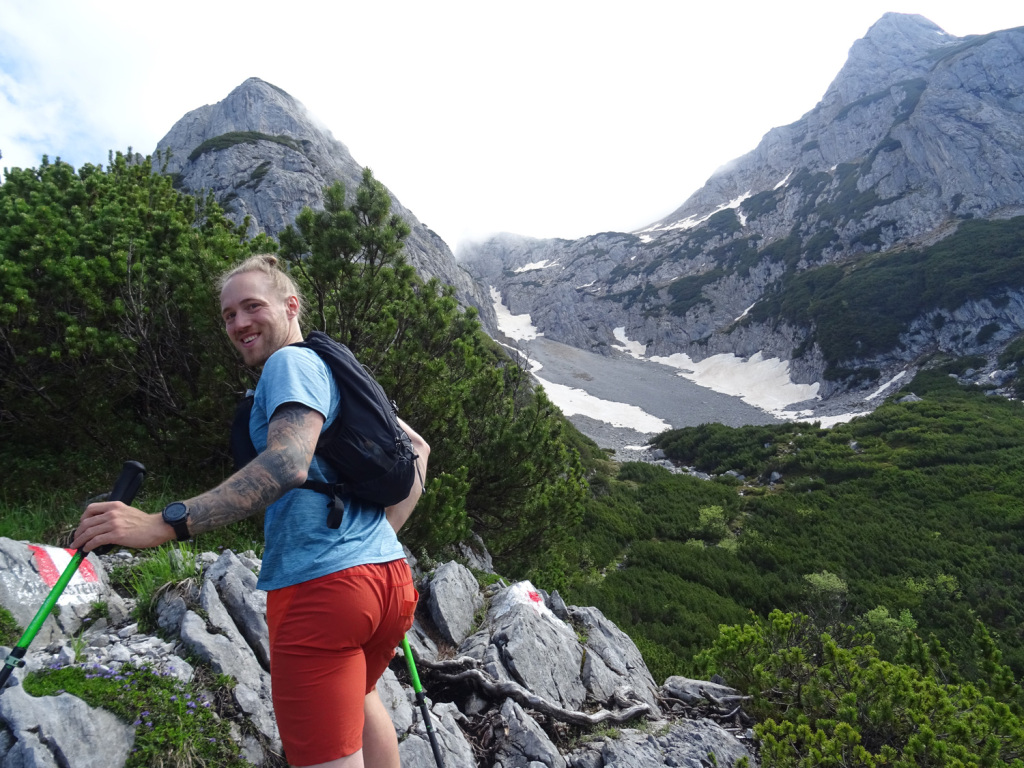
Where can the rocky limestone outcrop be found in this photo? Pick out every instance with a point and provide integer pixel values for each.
(919, 131)
(263, 156)
(504, 695)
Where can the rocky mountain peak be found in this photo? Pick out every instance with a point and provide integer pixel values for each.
(266, 158)
(254, 106)
(895, 48)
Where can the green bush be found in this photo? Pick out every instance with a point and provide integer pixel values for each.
(825, 698)
(10, 631)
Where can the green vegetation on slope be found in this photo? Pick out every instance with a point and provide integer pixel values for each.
(112, 342)
(226, 140)
(914, 511)
(824, 697)
(860, 308)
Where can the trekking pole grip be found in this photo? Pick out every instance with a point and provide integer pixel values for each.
(124, 490)
(127, 485)
(128, 482)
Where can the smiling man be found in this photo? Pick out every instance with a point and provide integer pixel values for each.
(339, 600)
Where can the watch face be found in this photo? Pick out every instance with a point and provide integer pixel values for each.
(175, 512)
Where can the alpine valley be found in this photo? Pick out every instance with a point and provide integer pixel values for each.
(878, 231)
(881, 230)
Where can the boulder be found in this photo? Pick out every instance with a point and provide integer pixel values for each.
(415, 750)
(693, 743)
(246, 605)
(613, 660)
(28, 573)
(61, 731)
(534, 647)
(523, 743)
(454, 601)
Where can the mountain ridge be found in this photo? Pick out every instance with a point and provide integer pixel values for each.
(918, 132)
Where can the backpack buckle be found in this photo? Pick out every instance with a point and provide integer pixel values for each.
(335, 510)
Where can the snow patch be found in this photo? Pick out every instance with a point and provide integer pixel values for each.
(885, 386)
(518, 327)
(830, 421)
(783, 182)
(763, 383)
(692, 221)
(545, 264)
(745, 311)
(574, 402)
(634, 348)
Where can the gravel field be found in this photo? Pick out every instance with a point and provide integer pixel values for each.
(656, 388)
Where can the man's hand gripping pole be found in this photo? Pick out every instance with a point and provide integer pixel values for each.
(125, 488)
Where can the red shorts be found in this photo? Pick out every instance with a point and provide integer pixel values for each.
(330, 641)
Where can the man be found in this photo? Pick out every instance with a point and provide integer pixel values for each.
(339, 600)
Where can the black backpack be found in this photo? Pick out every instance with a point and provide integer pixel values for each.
(367, 448)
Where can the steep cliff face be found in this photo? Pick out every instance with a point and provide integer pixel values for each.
(264, 156)
(918, 132)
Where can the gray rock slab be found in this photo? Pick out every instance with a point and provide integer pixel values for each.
(224, 655)
(62, 731)
(475, 553)
(247, 605)
(619, 654)
(27, 575)
(228, 653)
(398, 701)
(454, 601)
(688, 744)
(542, 654)
(685, 689)
(422, 646)
(524, 743)
(415, 751)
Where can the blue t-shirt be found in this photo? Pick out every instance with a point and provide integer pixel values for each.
(298, 544)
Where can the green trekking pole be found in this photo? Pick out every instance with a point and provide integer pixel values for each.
(421, 699)
(125, 488)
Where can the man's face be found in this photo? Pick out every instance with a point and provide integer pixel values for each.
(257, 321)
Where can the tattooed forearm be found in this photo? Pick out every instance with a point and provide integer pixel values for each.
(291, 440)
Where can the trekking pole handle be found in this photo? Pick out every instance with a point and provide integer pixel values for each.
(125, 488)
(128, 482)
(127, 485)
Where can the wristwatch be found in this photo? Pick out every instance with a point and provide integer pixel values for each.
(175, 515)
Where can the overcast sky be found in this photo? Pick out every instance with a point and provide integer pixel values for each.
(547, 119)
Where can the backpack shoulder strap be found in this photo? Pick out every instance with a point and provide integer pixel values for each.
(329, 351)
(242, 449)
